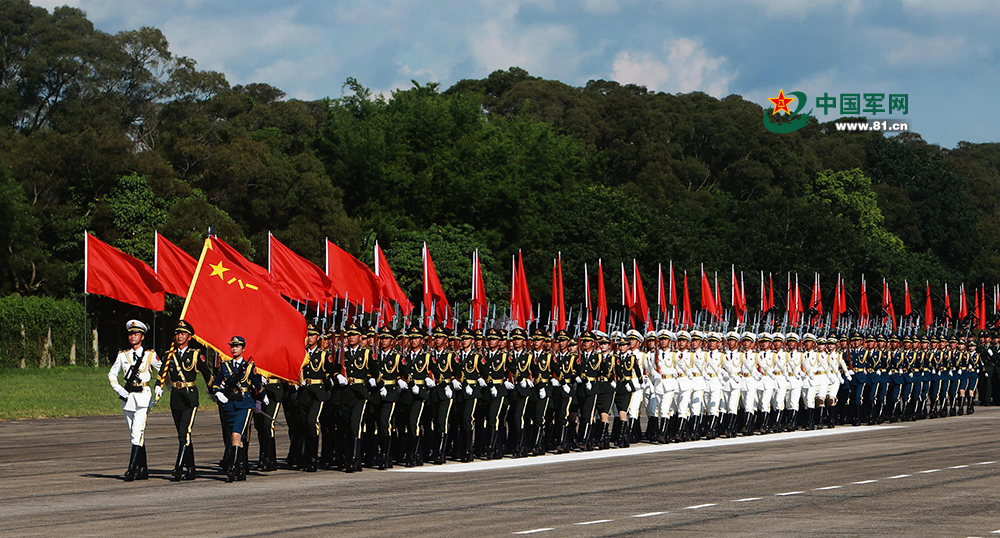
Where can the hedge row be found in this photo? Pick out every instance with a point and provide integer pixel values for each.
(24, 328)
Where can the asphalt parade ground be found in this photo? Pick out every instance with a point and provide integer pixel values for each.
(62, 477)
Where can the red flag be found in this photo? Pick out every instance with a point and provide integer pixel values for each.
(294, 276)
(661, 293)
(816, 301)
(520, 299)
(770, 291)
(718, 297)
(798, 300)
(234, 255)
(174, 267)
(947, 302)
(739, 300)
(763, 295)
(561, 321)
(673, 293)
(708, 301)
(112, 273)
(389, 289)
(790, 303)
(353, 281)
(627, 300)
(906, 298)
(835, 311)
(928, 312)
(863, 303)
(686, 318)
(890, 310)
(479, 303)
(436, 306)
(554, 311)
(602, 300)
(639, 296)
(963, 310)
(982, 308)
(226, 301)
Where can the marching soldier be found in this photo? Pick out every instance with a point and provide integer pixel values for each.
(470, 375)
(182, 365)
(627, 371)
(539, 400)
(386, 371)
(562, 393)
(236, 385)
(519, 371)
(137, 364)
(354, 377)
(417, 369)
(311, 396)
(494, 363)
(442, 371)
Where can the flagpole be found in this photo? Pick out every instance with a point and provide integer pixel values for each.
(86, 264)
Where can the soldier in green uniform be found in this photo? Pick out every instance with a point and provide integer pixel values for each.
(988, 356)
(385, 369)
(539, 398)
(627, 373)
(494, 369)
(588, 370)
(311, 396)
(182, 366)
(440, 401)
(561, 397)
(519, 371)
(416, 365)
(470, 375)
(354, 377)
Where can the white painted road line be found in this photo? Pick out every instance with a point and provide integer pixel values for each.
(930, 471)
(958, 467)
(986, 463)
(533, 531)
(649, 514)
(828, 487)
(697, 506)
(787, 493)
(638, 450)
(595, 522)
(995, 532)
(748, 499)
(864, 482)
(899, 476)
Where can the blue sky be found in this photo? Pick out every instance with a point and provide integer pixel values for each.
(942, 53)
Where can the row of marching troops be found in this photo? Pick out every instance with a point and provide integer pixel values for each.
(374, 399)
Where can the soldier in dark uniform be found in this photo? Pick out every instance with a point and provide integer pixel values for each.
(588, 369)
(354, 377)
(470, 375)
(539, 397)
(878, 380)
(519, 369)
(988, 356)
(896, 379)
(237, 385)
(627, 372)
(563, 363)
(416, 369)
(494, 369)
(182, 365)
(858, 363)
(311, 396)
(606, 389)
(385, 369)
(442, 371)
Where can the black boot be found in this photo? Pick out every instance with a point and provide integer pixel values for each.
(971, 409)
(385, 451)
(695, 425)
(242, 463)
(626, 435)
(652, 429)
(605, 438)
(616, 432)
(663, 430)
(635, 431)
(232, 463)
(355, 463)
(961, 405)
(179, 464)
(682, 430)
(141, 472)
(951, 405)
(442, 443)
(133, 460)
(793, 420)
(309, 459)
(189, 468)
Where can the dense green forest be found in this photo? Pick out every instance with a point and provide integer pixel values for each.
(116, 135)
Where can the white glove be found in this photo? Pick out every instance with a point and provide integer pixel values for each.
(879, 372)
(850, 373)
(265, 401)
(555, 382)
(341, 379)
(382, 392)
(590, 385)
(636, 385)
(402, 384)
(566, 389)
(447, 392)
(221, 398)
(430, 382)
(481, 382)
(456, 384)
(614, 384)
(493, 392)
(578, 380)
(523, 383)
(508, 385)
(415, 390)
(531, 383)
(757, 376)
(158, 391)
(121, 392)
(541, 393)
(372, 382)
(468, 390)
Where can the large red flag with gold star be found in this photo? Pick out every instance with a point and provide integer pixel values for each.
(226, 300)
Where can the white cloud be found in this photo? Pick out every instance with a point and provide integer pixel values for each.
(937, 8)
(909, 50)
(600, 7)
(687, 67)
(544, 49)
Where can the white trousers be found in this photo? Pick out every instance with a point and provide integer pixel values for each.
(136, 422)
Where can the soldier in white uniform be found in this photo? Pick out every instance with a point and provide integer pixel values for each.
(751, 380)
(793, 400)
(695, 371)
(713, 384)
(731, 383)
(781, 385)
(767, 366)
(636, 341)
(650, 386)
(683, 361)
(668, 388)
(838, 373)
(136, 364)
(811, 367)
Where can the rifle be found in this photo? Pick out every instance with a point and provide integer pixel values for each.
(232, 382)
(131, 376)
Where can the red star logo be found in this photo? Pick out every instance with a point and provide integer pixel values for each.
(781, 102)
